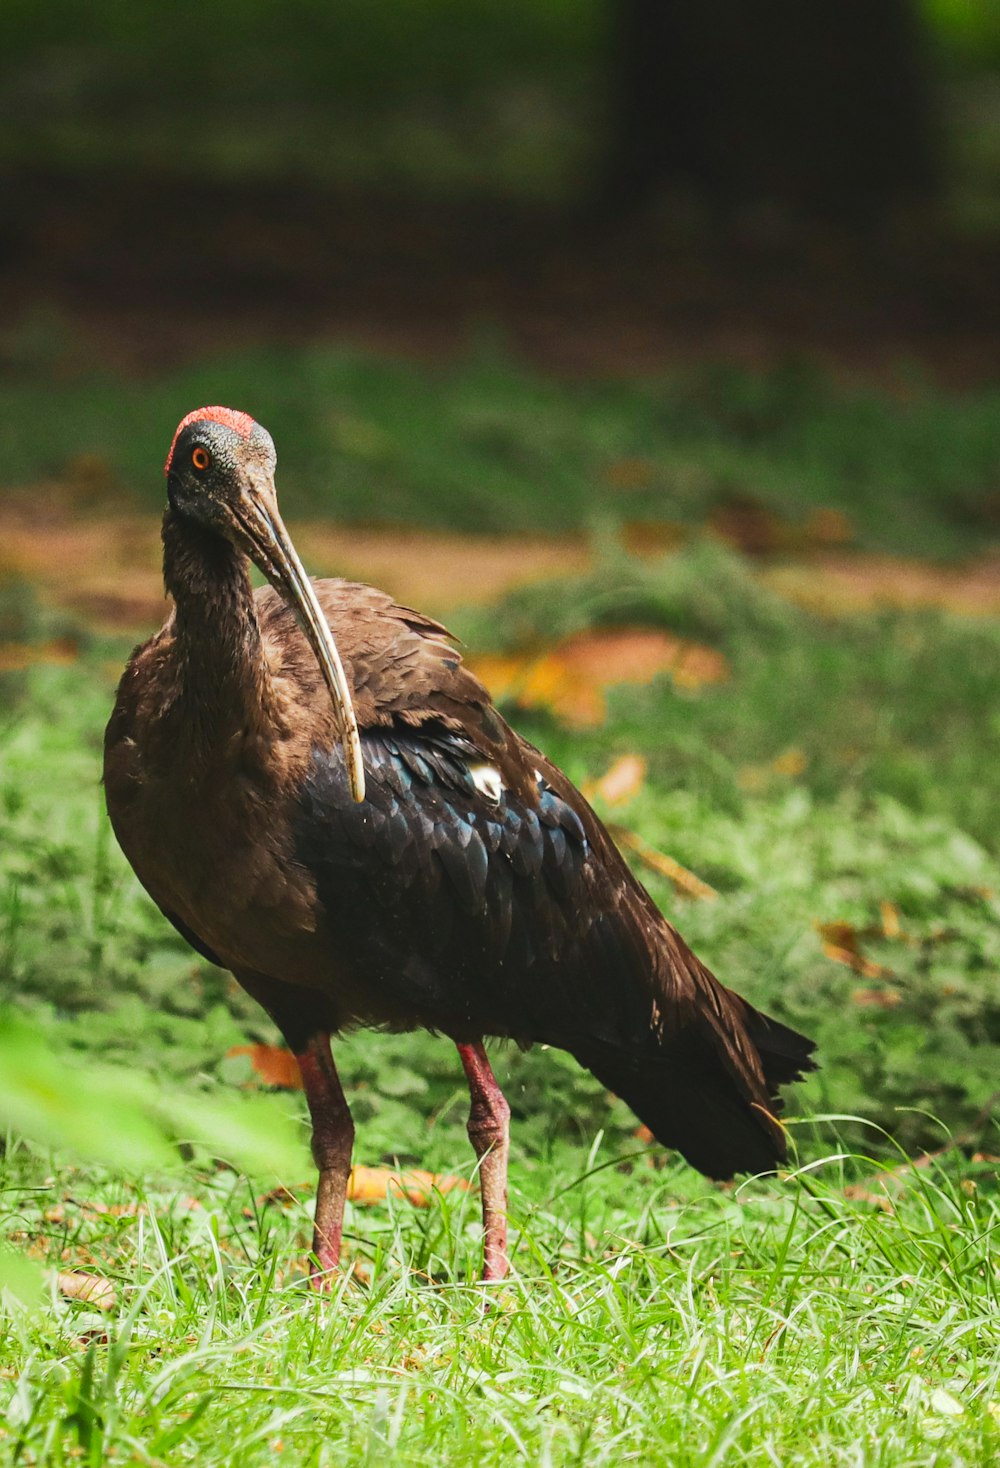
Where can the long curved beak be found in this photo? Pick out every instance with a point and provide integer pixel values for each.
(270, 547)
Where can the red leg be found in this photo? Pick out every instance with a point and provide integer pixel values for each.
(489, 1133)
(332, 1145)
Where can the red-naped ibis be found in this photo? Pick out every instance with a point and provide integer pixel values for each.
(322, 799)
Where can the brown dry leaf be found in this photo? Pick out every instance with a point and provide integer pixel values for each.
(571, 678)
(274, 1065)
(877, 998)
(791, 763)
(748, 524)
(630, 473)
(829, 527)
(891, 926)
(857, 1193)
(857, 962)
(841, 935)
(281, 1196)
(651, 538)
(374, 1184)
(756, 528)
(89, 1288)
(842, 943)
(620, 782)
(113, 1210)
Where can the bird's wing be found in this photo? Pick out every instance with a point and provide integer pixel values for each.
(476, 891)
(403, 667)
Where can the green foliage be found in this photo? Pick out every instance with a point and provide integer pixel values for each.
(893, 704)
(891, 799)
(967, 30)
(122, 1116)
(491, 446)
(704, 591)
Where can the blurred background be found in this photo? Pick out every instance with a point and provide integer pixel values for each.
(600, 185)
(654, 343)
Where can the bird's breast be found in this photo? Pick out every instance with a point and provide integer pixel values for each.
(209, 834)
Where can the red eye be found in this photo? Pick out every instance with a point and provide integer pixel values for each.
(201, 460)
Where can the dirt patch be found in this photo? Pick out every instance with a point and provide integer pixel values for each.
(860, 582)
(105, 568)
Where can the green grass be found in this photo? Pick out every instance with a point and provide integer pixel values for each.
(844, 1315)
(649, 1320)
(490, 445)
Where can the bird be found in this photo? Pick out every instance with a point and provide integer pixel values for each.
(321, 797)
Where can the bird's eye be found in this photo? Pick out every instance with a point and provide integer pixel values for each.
(201, 459)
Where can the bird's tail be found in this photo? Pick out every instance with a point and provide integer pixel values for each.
(722, 1117)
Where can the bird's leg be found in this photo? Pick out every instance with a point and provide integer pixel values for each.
(489, 1133)
(332, 1145)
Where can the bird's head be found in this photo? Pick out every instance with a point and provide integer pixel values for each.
(220, 475)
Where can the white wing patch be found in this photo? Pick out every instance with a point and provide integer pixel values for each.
(487, 781)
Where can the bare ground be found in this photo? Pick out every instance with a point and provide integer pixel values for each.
(106, 568)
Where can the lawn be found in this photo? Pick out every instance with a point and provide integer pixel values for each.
(836, 789)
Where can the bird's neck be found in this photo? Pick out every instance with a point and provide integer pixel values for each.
(222, 672)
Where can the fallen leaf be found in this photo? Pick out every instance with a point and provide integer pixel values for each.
(857, 1193)
(792, 762)
(789, 764)
(112, 1210)
(274, 1065)
(881, 998)
(620, 782)
(374, 1184)
(90, 1288)
(841, 934)
(757, 529)
(828, 527)
(651, 538)
(842, 943)
(571, 678)
(281, 1196)
(837, 582)
(891, 927)
(858, 963)
(630, 473)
